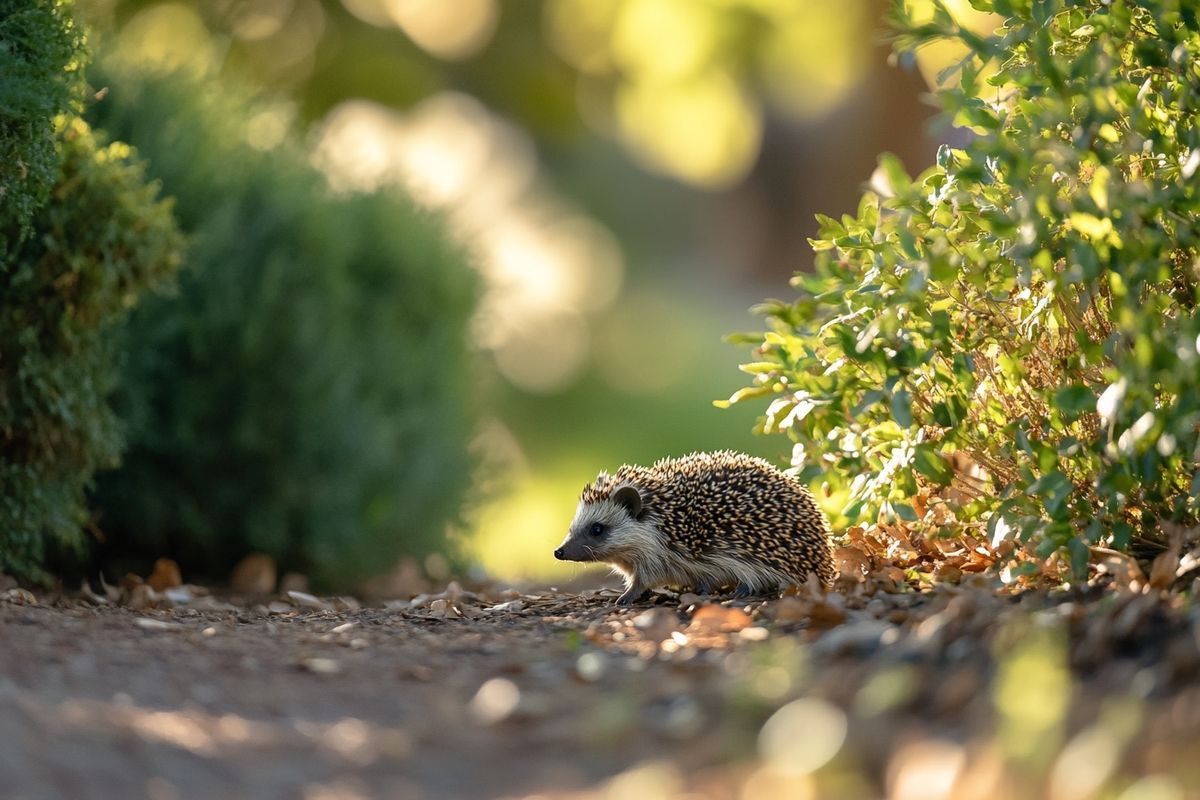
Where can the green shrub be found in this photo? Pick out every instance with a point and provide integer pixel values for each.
(306, 395)
(100, 240)
(39, 47)
(1029, 302)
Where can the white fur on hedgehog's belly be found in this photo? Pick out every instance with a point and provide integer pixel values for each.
(658, 565)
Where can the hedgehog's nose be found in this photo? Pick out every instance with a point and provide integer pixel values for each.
(559, 554)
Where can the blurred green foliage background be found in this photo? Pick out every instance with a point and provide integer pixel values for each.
(305, 392)
(630, 176)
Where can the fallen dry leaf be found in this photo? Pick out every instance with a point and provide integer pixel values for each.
(507, 607)
(253, 575)
(113, 593)
(919, 502)
(90, 596)
(821, 611)
(1124, 569)
(444, 608)
(718, 619)
(825, 614)
(166, 575)
(1166, 564)
(142, 597)
(947, 573)
(18, 596)
(346, 603)
(851, 562)
(789, 609)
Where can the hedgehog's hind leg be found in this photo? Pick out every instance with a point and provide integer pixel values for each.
(744, 590)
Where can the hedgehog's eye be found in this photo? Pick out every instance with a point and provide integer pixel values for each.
(597, 529)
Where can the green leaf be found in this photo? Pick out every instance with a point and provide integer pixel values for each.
(902, 409)
(759, 367)
(1074, 400)
(894, 172)
(930, 463)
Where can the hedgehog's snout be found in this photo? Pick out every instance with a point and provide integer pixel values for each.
(572, 549)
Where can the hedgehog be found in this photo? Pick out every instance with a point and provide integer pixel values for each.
(705, 522)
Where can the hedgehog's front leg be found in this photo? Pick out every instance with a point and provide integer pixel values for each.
(636, 591)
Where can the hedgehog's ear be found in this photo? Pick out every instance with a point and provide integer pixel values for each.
(630, 499)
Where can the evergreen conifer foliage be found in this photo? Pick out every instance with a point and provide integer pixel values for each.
(82, 235)
(307, 393)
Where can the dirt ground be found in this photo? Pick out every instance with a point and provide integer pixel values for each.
(958, 691)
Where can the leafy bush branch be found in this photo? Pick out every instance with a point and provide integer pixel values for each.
(1016, 327)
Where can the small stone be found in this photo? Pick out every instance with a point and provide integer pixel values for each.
(151, 624)
(755, 633)
(306, 600)
(321, 666)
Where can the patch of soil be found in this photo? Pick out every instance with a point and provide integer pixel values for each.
(953, 691)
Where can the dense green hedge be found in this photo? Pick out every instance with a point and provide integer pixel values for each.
(1029, 302)
(101, 239)
(307, 394)
(40, 48)
(81, 235)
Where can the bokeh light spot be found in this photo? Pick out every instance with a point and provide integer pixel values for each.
(657, 40)
(706, 131)
(166, 37)
(802, 736)
(496, 700)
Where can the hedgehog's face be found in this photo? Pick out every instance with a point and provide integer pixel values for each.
(609, 530)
